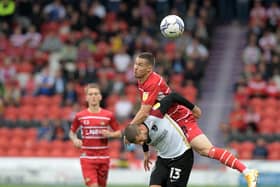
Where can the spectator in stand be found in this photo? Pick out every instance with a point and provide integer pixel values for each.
(44, 82)
(256, 86)
(54, 11)
(258, 12)
(51, 43)
(236, 118)
(273, 14)
(59, 82)
(44, 130)
(59, 130)
(123, 108)
(252, 53)
(7, 71)
(197, 51)
(17, 39)
(276, 78)
(33, 38)
(190, 20)
(70, 95)
(121, 60)
(260, 151)
(69, 51)
(271, 89)
(252, 119)
(12, 93)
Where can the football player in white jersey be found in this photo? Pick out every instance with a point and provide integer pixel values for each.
(175, 156)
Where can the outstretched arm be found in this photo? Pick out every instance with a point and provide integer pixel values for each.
(172, 98)
(141, 115)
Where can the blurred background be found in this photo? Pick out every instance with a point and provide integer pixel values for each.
(227, 61)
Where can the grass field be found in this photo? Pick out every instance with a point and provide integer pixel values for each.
(19, 185)
(8, 185)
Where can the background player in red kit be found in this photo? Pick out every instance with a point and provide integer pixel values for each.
(153, 88)
(96, 124)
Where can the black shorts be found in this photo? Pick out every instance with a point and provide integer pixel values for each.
(172, 172)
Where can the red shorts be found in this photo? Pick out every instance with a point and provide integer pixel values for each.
(94, 173)
(190, 128)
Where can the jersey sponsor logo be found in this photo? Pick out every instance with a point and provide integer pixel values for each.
(145, 96)
(156, 106)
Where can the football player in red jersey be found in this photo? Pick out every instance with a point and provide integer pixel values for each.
(97, 125)
(153, 88)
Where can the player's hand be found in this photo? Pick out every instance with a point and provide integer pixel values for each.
(106, 133)
(147, 161)
(196, 112)
(77, 142)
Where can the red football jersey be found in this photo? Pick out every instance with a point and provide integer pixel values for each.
(95, 146)
(153, 89)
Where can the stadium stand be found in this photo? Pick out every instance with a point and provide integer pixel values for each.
(257, 94)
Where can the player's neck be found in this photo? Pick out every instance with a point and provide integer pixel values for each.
(94, 109)
(142, 80)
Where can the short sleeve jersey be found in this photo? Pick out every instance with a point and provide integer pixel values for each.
(166, 136)
(94, 144)
(153, 89)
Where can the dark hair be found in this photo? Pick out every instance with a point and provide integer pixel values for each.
(130, 133)
(149, 57)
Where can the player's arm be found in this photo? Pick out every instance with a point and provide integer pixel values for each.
(142, 114)
(172, 98)
(72, 133)
(147, 161)
(74, 138)
(112, 134)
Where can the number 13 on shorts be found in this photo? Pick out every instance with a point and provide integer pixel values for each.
(174, 173)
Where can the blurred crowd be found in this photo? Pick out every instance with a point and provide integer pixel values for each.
(49, 49)
(255, 116)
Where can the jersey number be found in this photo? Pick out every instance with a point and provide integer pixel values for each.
(175, 173)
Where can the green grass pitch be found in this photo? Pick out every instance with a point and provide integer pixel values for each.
(19, 185)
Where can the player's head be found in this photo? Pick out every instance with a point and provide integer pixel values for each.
(143, 65)
(93, 94)
(137, 134)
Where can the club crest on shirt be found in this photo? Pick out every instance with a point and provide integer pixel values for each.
(102, 123)
(145, 96)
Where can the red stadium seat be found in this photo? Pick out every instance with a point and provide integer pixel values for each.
(43, 100)
(256, 102)
(18, 133)
(13, 152)
(56, 153)
(274, 155)
(57, 144)
(28, 100)
(27, 153)
(247, 145)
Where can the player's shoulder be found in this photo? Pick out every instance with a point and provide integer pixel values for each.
(81, 113)
(154, 78)
(106, 112)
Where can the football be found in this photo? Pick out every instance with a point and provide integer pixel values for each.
(172, 26)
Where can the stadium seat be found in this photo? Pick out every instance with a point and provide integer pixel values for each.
(18, 133)
(245, 155)
(43, 100)
(13, 152)
(247, 146)
(27, 153)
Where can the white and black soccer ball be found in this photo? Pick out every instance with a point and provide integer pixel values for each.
(172, 26)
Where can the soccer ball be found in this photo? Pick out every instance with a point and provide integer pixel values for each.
(172, 26)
